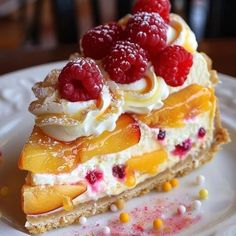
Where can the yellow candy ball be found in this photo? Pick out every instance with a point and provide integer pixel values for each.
(166, 187)
(203, 194)
(120, 203)
(124, 217)
(157, 223)
(174, 183)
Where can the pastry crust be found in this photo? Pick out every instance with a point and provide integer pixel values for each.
(62, 218)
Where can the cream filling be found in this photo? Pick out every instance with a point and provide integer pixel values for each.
(179, 33)
(144, 95)
(148, 143)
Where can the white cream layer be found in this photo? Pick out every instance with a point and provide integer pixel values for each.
(110, 185)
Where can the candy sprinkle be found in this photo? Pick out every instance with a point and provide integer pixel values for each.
(200, 180)
(157, 223)
(113, 208)
(166, 187)
(196, 205)
(120, 204)
(124, 217)
(82, 220)
(106, 230)
(203, 194)
(174, 183)
(181, 209)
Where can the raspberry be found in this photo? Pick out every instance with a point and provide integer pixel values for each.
(118, 171)
(159, 6)
(97, 42)
(173, 64)
(94, 176)
(201, 132)
(126, 62)
(183, 148)
(161, 135)
(148, 30)
(80, 80)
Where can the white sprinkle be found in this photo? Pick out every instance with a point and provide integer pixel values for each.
(196, 164)
(181, 209)
(200, 180)
(113, 208)
(82, 220)
(196, 205)
(106, 230)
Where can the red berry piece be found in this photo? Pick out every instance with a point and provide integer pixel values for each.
(118, 171)
(159, 6)
(94, 176)
(183, 148)
(126, 62)
(173, 65)
(149, 30)
(80, 80)
(97, 42)
(201, 132)
(161, 135)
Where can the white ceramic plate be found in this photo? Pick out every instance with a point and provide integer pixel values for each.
(216, 217)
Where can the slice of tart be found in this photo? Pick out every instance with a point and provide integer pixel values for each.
(134, 110)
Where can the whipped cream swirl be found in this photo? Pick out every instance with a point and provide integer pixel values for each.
(144, 95)
(179, 33)
(66, 121)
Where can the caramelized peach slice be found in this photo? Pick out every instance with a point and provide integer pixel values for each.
(145, 164)
(43, 154)
(45, 198)
(126, 134)
(185, 104)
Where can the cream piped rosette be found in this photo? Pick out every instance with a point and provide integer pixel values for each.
(144, 95)
(65, 120)
(179, 33)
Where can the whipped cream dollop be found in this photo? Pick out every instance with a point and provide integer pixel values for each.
(144, 95)
(66, 121)
(179, 33)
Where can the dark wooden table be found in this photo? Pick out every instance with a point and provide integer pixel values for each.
(222, 52)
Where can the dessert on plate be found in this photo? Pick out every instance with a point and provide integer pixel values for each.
(134, 109)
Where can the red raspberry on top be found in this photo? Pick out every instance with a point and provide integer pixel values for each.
(80, 80)
(159, 6)
(126, 62)
(97, 42)
(149, 30)
(173, 65)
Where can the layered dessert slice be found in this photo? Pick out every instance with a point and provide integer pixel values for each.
(133, 110)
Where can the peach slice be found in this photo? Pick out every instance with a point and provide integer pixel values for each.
(44, 198)
(185, 104)
(145, 164)
(126, 134)
(43, 154)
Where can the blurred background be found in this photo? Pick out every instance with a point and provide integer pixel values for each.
(41, 26)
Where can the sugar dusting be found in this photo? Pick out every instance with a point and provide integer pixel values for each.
(142, 218)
